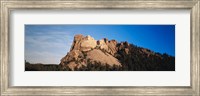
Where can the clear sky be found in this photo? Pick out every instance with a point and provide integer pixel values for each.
(49, 43)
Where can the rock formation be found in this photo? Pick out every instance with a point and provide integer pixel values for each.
(88, 54)
(82, 43)
(87, 48)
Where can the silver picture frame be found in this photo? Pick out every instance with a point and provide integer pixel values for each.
(6, 7)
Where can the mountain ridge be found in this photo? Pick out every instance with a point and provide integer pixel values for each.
(111, 55)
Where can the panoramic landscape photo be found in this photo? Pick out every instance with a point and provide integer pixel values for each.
(97, 47)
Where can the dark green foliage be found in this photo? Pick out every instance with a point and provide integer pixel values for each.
(138, 60)
(42, 67)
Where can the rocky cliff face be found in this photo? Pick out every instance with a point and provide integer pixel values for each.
(87, 49)
(88, 54)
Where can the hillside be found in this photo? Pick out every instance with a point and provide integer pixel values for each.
(103, 54)
(88, 54)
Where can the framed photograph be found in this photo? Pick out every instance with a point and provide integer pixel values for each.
(99, 47)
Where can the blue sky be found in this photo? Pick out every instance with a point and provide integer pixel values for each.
(49, 43)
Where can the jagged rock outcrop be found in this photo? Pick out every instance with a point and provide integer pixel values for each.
(87, 48)
(109, 46)
(82, 43)
(76, 42)
(86, 52)
(112, 45)
(103, 44)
